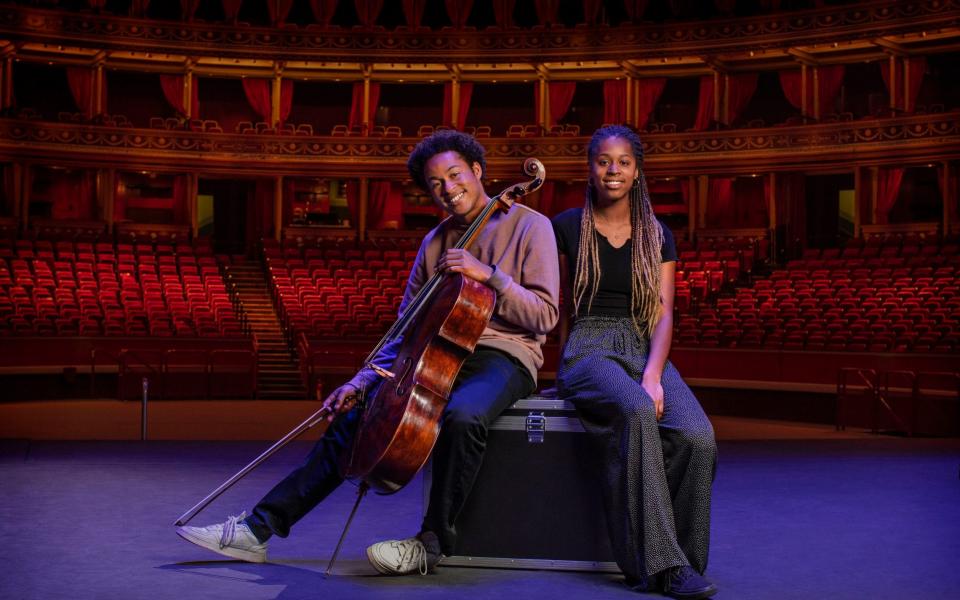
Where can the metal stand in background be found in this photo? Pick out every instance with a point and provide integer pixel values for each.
(143, 410)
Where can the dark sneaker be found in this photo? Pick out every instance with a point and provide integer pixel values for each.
(642, 584)
(431, 544)
(685, 583)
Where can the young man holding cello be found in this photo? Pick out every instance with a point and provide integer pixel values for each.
(515, 255)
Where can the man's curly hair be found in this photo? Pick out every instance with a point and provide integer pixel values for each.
(445, 140)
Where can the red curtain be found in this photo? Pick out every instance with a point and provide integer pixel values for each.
(635, 8)
(750, 202)
(547, 11)
(829, 80)
(503, 12)
(917, 69)
(720, 211)
(791, 211)
(558, 197)
(323, 11)
(258, 95)
(286, 99)
(560, 95)
(648, 92)
(97, 5)
(353, 201)
(173, 91)
(888, 188)
(119, 201)
(413, 11)
(188, 8)
(614, 101)
(458, 11)
(356, 106)
(72, 195)
(725, 6)
(705, 105)
(138, 8)
(466, 91)
(591, 11)
(231, 9)
(81, 88)
(279, 10)
(368, 11)
(792, 83)
(740, 89)
(260, 215)
(385, 209)
(181, 202)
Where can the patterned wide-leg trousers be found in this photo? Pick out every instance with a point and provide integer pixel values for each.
(656, 475)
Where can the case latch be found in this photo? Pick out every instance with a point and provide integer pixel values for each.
(536, 425)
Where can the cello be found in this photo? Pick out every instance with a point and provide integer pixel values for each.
(401, 421)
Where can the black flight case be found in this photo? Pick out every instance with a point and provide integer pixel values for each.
(536, 502)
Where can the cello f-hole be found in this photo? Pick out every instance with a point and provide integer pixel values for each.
(407, 364)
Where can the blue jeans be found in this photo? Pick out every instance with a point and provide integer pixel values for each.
(488, 383)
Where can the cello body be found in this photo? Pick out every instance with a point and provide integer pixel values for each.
(401, 420)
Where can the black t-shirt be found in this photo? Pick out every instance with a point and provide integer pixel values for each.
(613, 293)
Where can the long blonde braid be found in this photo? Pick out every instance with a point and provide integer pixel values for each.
(646, 235)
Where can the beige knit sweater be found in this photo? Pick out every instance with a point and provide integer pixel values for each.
(521, 247)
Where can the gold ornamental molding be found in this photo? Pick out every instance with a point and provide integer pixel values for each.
(916, 139)
(832, 34)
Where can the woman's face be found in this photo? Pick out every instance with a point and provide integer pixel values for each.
(613, 170)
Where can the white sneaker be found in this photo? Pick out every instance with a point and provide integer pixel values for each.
(232, 538)
(399, 557)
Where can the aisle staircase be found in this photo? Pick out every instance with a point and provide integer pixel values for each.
(278, 375)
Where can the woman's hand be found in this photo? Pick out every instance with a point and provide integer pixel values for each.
(654, 389)
(461, 261)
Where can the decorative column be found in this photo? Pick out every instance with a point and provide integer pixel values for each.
(107, 193)
(275, 95)
(366, 99)
(6, 82)
(772, 212)
(873, 179)
(716, 95)
(277, 207)
(859, 198)
(99, 85)
(455, 103)
(16, 187)
(951, 202)
(23, 195)
(804, 86)
(692, 210)
(816, 93)
(364, 201)
(193, 184)
(894, 81)
(188, 84)
(543, 110)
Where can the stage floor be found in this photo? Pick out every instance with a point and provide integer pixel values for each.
(853, 516)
